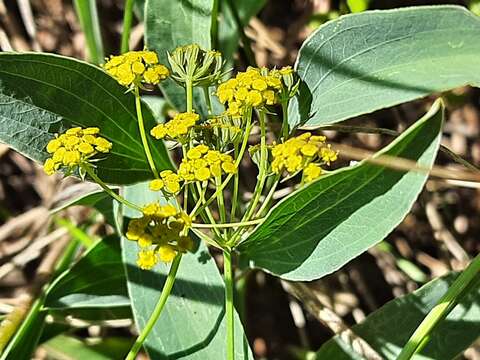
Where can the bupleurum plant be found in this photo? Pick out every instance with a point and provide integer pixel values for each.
(212, 149)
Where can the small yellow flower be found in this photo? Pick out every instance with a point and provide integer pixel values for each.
(312, 172)
(166, 253)
(328, 155)
(53, 145)
(156, 185)
(147, 259)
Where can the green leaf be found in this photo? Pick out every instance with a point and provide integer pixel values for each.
(97, 280)
(368, 61)
(388, 329)
(228, 32)
(321, 227)
(43, 94)
(169, 24)
(192, 323)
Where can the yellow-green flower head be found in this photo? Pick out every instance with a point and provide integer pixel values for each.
(135, 68)
(203, 163)
(300, 153)
(252, 88)
(74, 147)
(176, 129)
(191, 63)
(160, 234)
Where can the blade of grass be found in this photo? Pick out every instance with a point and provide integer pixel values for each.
(445, 305)
(88, 16)
(127, 25)
(26, 321)
(76, 232)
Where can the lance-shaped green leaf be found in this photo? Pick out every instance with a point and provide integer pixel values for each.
(228, 32)
(97, 280)
(192, 324)
(388, 329)
(368, 61)
(44, 94)
(319, 228)
(169, 24)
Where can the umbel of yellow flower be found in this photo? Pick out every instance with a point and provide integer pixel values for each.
(73, 148)
(159, 234)
(203, 163)
(168, 181)
(176, 129)
(300, 153)
(252, 88)
(136, 67)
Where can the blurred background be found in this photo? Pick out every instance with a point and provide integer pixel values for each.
(440, 234)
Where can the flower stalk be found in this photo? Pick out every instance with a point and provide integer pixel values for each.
(167, 288)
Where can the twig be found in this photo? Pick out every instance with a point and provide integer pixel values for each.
(330, 319)
(399, 163)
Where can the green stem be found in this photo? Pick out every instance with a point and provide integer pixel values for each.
(235, 188)
(127, 25)
(227, 269)
(221, 202)
(228, 225)
(269, 197)
(109, 191)
(446, 304)
(141, 127)
(262, 171)
(167, 288)
(248, 128)
(189, 92)
(214, 24)
(285, 120)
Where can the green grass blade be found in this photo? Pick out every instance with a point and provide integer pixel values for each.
(88, 16)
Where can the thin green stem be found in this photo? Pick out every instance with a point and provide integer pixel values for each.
(248, 128)
(208, 100)
(109, 191)
(214, 24)
(143, 135)
(221, 202)
(189, 92)
(285, 129)
(268, 198)
(228, 225)
(236, 178)
(227, 269)
(444, 306)
(127, 25)
(167, 288)
(257, 193)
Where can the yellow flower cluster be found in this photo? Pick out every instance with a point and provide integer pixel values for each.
(177, 128)
(299, 153)
(160, 234)
(169, 181)
(202, 163)
(74, 147)
(136, 67)
(252, 88)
